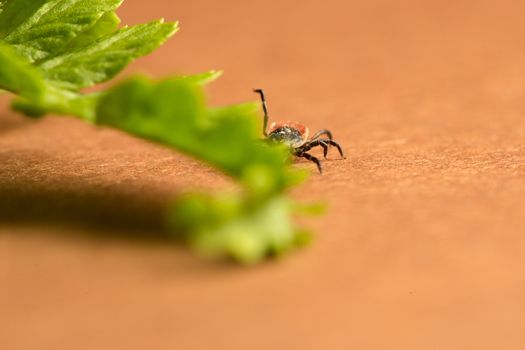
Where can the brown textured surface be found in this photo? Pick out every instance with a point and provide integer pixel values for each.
(423, 245)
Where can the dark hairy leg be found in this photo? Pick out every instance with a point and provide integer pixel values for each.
(323, 143)
(265, 109)
(335, 144)
(325, 148)
(312, 159)
(311, 144)
(321, 132)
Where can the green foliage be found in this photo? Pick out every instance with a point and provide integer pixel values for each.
(38, 29)
(51, 49)
(248, 225)
(107, 24)
(230, 224)
(173, 112)
(54, 48)
(103, 59)
(18, 76)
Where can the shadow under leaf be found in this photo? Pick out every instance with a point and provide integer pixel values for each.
(11, 121)
(114, 212)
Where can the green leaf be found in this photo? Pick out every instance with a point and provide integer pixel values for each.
(18, 76)
(107, 24)
(35, 94)
(87, 49)
(102, 60)
(40, 28)
(173, 112)
(59, 102)
(200, 79)
(15, 13)
(227, 225)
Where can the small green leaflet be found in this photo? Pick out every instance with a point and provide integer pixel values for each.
(107, 24)
(18, 76)
(234, 226)
(95, 63)
(39, 28)
(66, 45)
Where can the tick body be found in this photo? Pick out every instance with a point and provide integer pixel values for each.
(295, 135)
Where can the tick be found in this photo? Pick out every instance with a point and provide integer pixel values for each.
(295, 135)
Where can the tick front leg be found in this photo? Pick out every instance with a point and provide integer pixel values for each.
(313, 159)
(318, 134)
(265, 109)
(309, 145)
(335, 144)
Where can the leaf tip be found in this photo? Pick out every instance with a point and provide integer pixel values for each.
(171, 27)
(215, 74)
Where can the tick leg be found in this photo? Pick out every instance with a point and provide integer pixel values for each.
(333, 143)
(311, 144)
(313, 159)
(265, 109)
(324, 144)
(318, 134)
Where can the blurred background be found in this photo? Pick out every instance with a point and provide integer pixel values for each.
(421, 247)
